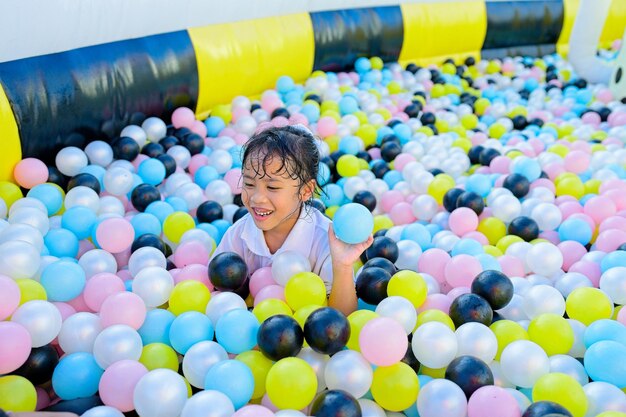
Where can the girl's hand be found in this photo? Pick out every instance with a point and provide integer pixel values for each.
(345, 254)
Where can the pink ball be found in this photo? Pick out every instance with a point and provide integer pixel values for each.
(123, 308)
(599, 208)
(577, 161)
(266, 402)
(544, 183)
(604, 95)
(122, 257)
(280, 121)
(389, 199)
(463, 220)
(326, 126)
(118, 382)
(30, 172)
(9, 296)
(383, 341)
(492, 400)
(618, 119)
(139, 159)
(270, 103)
(15, 345)
(65, 309)
(551, 236)
(241, 138)
(43, 399)
(553, 170)
(511, 266)
(500, 165)
(261, 278)
(609, 240)
(195, 272)
(401, 161)
(99, 287)
(183, 117)
(191, 252)
(461, 270)
(402, 213)
(572, 252)
(612, 184)
(197, 161)
(455, 292)
(115, 234)
(477, 236)
(298, 119)
(570, 208)
(478, 138)
(253, 410)
(433, 262)
(269, 291)
(79, 304)
(199, 128)
(621, 316)
(227, 131)
(374, 153)
(613, 222)
(589, 269)
(618, 197)
(436, 302)
(233, 179)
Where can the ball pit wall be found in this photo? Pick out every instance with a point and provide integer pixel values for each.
(71, 96)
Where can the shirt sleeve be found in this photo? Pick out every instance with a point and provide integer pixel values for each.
(326, 273)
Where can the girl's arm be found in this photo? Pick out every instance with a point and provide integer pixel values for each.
(343, 293)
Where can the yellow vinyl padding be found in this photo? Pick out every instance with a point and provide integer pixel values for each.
(436, 31)
(245, 58)
(10, 145)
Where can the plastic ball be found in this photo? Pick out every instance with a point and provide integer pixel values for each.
(493, 286)
(441, 396)
(372, 284)
(383, 341)
(76, 376)
(288, 263)
(562, 389)
(41, 319)
(588, 305)
(305, 288)
(350, 372)
(395, 387)
(160, 391)
(353, 223)
(470, 308)
(291, 384)
(326, 330)
(227, 271)
(280, 336)
(434, 345)
(17, 394)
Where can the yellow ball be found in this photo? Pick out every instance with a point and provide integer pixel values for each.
(493, 228)
(559, 149)
(492, 250)
(331, 113)
(303, 313)
(333, 142)
(357, 320)
(291, 383)
(588, 305)
(442, 126)
(425, 130)
(176, 224)
(394, 87)
(570, 186)
(260, 366)
(410, 285)
(382, 221)
(481, 106)
(434, 315)
(367, 133)
(496, 130)
(384, 112)
(592, 186)
(329, 105)
(17, 394)
(448, 68)
(463, 143)
(362, 116)
(433, 372)
(189, 296)
(469, 121)
(492, 67)
(30, 290)
(330, 211)
(348, 166)
(507, 332)
(552, 332)
(437, 91)
(395, 387)
(438, 187)
(10, 193)
(223, 112)
(507, 241)
(271, 307)
(611, 414)
(159, 355)
(562, 389)
(305, 288)
(376, 63)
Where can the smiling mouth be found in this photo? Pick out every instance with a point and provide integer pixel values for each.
(262, 213)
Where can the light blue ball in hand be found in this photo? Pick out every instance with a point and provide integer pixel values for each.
(353, 223)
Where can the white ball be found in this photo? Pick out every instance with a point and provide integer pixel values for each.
(99, 153)
(288, 263)
(82, 196)
(181, 155)
(118, 181)
(116, 343)
(154, 285)
(545, 259)
(219, 191)
(221, 160)
(71, 160)
(155, 129)
(41, 319)
(136, 133)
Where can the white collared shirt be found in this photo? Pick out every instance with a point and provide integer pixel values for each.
(309, 237)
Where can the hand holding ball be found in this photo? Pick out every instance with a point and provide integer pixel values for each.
(353, 223)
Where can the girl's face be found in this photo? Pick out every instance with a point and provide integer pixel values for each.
(271, 196)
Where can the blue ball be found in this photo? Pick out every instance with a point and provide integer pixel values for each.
(604, 361)
(177, 203)
(613, 259)
(159, 209)
(527, 167)
(204, 175)
(49, 195)
(188, 329)
(222, 226)
(417, 233)
(575, 229)
(403, 132)
(323, 174)
(214, 126)
(332, 195)
(382, 132)
(353, 223)
(79, 220)
(211, 230)
(145, 223)
(156, 327)
(392, 178)
(77, 375)
(236, 152)
(151, 171)
(362, 65)
(350, 144)
(63, 280)
(605, 329)
(232, 378)
(311, 112)
(467, 247)
(479, 183)
(61, 243)
(348, 105)
(284, 84)
(488, 262)
(237, 331)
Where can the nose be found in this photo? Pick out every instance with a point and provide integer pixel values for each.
(256, 196)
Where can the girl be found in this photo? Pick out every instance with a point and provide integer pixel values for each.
(279, 170)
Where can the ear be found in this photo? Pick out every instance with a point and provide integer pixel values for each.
(307, 190)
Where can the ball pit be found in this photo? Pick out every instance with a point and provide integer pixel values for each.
(495, 283)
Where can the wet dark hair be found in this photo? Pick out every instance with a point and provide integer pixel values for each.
(295, 148)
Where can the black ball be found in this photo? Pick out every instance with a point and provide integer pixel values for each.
(383, 263)
(435, 171)
(470, 60)
(371, 284)
(393, 122)
(365, 198)
(487, 155)
(148, 239)
(227, 271)
(390, 137)
(77, 406)
(125, 148)
(326, 330)
(474, 154)
(55, 177)
(472, 201)
(318, 204)
(169, 141)
(330, 162)
(336, 155)
(450, 199)
(137, 118)
(281, 111)
(470, 308)
(604, 113)
(410, 359)
(536, 121)
(524, 227)
(364, 155)
(169, 163)
(315, 98)
(153, 149)
(241, 211)
(469, 373)
(545, 408)
(209, 211)
(335, 403)
(389, 151)
(256, 106)
(412, 110)
(519, 122)
(380, 168)
(497, 317)
(493, 286)
(40, 365)
(412, 68)
(84, 180)
(428, 118)
(143, 195)
(181, 132)
(517, 184)
(383, 247)
(378, 233)
(237, 200)
(194, 143)
(279, 337)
